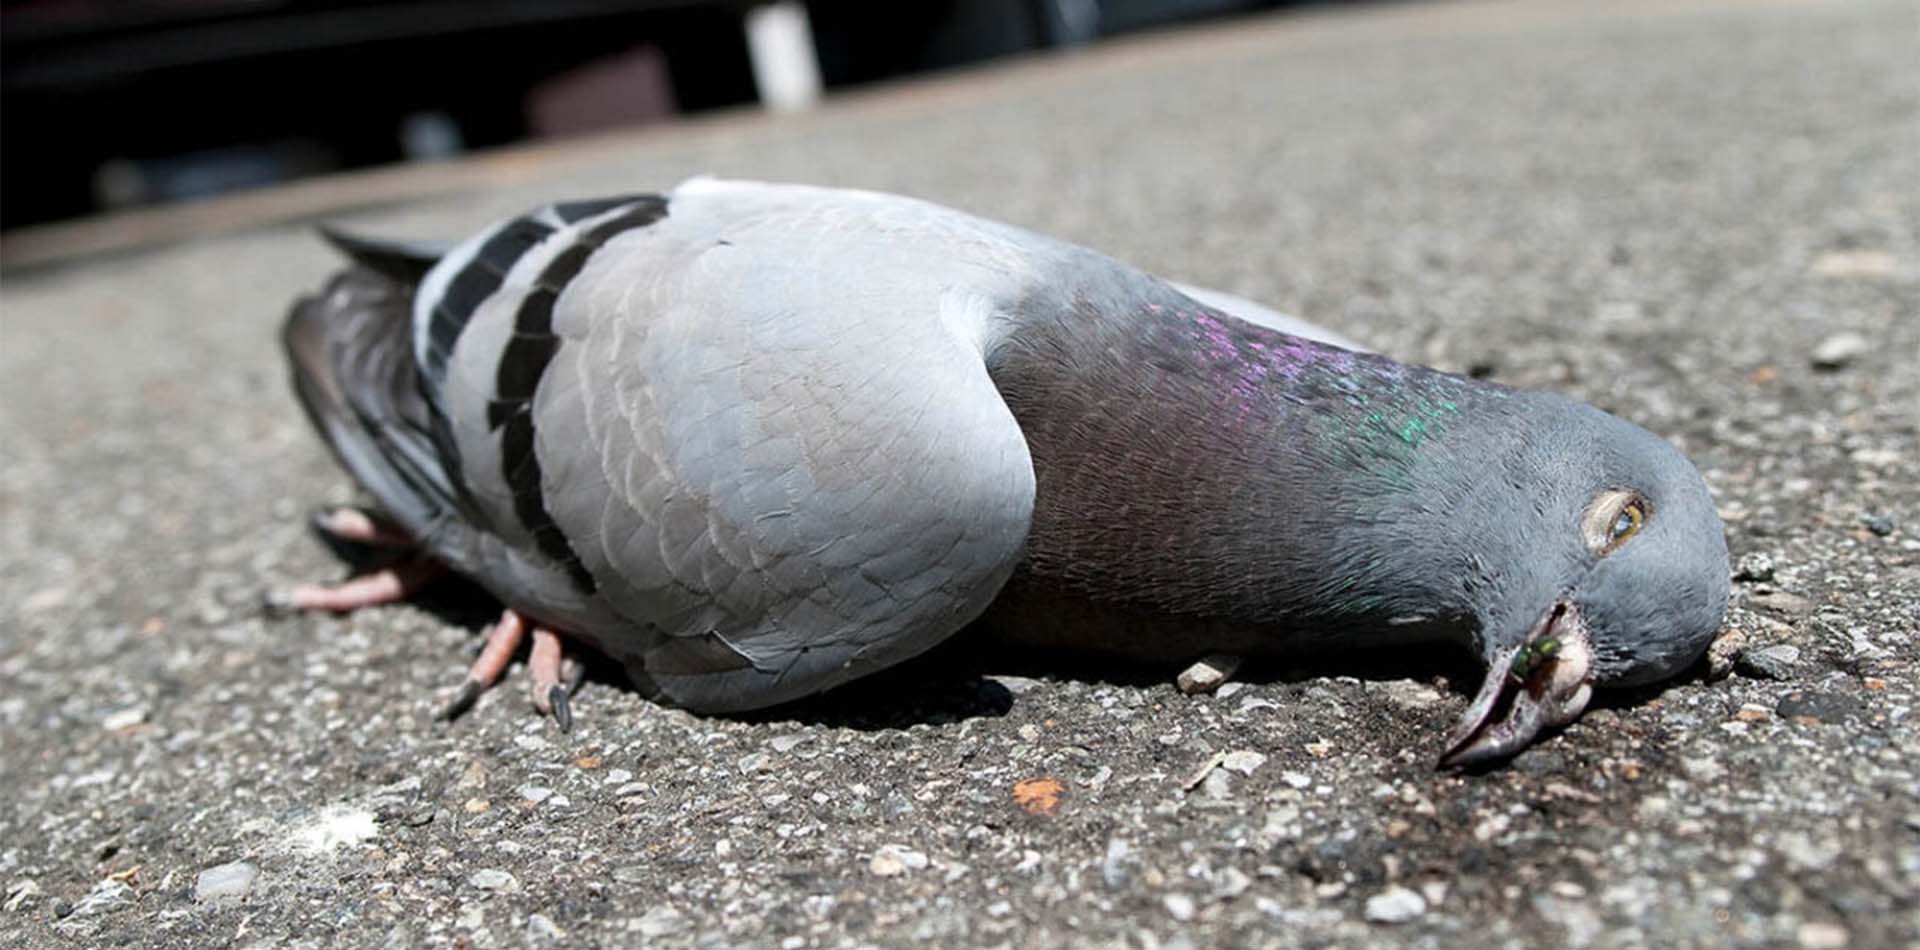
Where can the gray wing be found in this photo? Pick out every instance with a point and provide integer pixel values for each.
(1264, 316)
(742, 438)
(773, 458)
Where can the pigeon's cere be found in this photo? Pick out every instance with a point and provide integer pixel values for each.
(754, 441)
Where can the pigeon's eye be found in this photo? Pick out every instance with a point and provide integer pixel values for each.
(1627, 522)
(1613, 517)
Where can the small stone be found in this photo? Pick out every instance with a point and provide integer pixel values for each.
(1231, 883)
(785, 744)
(1775, 662)
(1781, 602)
(534, 793)
(1395, 905)
(1704, 771)
(107, 896)
(541, 927)
(1115, 869)
(893, 860)
(43, 599)
(225, 880)
(470, 917)
(493, 879)
(1878, 524)
(1179, 906)
(1581, 924)
(1855, 263)
(1491, 827)
(28, 890)
(1821, 935)
(1839, 350)
(1559, 790)
(1724, 651)
(1208, 674)
(334, 827)
(1411, 695)
(661, 921)
(1818, 706)
(1200, 774)
(1752, 713)
(1754, 567)
(1243, 761)
(124, 719)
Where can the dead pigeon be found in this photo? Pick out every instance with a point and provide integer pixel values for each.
(753, 441)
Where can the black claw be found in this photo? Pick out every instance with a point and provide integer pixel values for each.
(462, 701)
(317, 519)
(351, 552)
(275, 604)
(562, 713)
(360, 557)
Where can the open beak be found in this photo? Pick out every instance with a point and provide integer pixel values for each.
(1542, 683)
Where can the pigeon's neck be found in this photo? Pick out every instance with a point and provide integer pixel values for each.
(1192, 464)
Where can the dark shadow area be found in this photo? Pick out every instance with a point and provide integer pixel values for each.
(1627, 697)
(956, 680)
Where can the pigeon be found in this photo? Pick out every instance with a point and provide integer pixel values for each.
(752, 441)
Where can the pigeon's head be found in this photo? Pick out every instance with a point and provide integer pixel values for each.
(1613, 571)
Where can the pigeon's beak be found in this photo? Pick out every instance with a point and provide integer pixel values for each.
(1542, 683)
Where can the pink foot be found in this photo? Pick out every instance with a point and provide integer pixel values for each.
(384, 586)
(351, 532)
(360, 527)
(551, 687)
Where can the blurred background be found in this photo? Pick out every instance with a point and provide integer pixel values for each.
(114, 104)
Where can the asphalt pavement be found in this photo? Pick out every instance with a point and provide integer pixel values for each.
(1704, 216)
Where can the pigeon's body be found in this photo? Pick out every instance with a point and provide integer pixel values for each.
(754, 441)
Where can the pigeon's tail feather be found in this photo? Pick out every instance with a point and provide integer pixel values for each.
(350, 349)
(404, 261)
